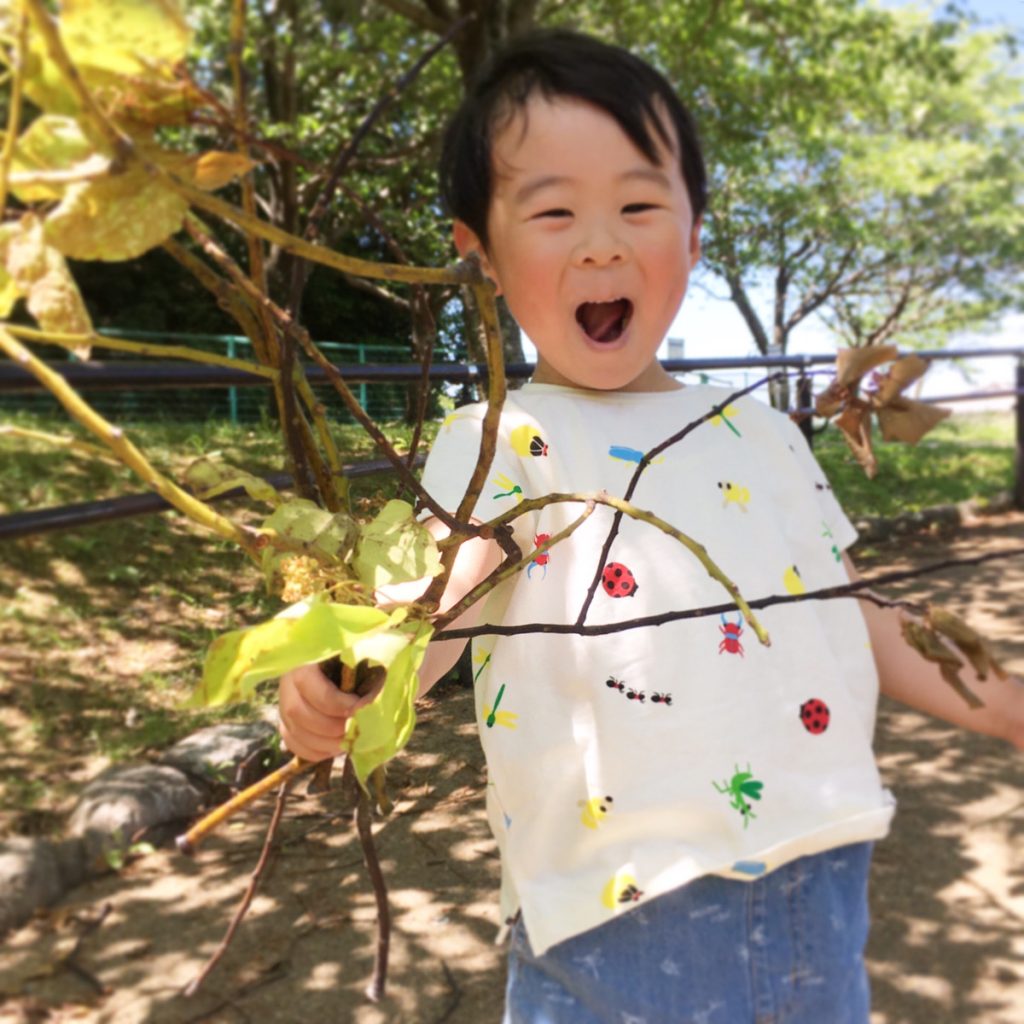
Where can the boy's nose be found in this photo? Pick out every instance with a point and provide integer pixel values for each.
(599, 247)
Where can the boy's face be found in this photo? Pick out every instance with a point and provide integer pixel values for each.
(591, 244)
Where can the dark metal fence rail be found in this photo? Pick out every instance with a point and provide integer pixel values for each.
(114, 376)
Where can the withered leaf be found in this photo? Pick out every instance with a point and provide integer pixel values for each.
(967, 639)
(853, 363)
(855, 423)
(907, 420)
(899, 376)
(930, 646)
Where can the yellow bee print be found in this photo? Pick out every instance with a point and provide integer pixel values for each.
(793, 582)
(509, 487)
(734, 494)
(595, 810)
(620, 890)
(526, 441)
(482, 658)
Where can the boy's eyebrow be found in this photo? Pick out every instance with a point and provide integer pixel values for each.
(651, 174)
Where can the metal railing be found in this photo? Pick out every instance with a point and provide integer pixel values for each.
(119, 375)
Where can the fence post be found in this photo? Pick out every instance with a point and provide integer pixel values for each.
(362, 386)
(805, 400)
(1018, 487)
(232, 392)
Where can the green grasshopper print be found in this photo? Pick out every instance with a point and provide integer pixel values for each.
(741, 786)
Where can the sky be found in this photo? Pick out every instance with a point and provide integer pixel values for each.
(712, 327)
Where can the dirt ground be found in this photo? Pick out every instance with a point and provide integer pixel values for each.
(948, 885)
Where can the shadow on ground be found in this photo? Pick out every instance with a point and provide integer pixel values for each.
(948, 885)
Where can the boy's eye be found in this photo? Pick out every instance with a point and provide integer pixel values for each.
(553, 213)
(638, 207)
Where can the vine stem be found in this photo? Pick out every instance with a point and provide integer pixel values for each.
(142, 348)
(622, 508)
(113, 437)
(14, 108)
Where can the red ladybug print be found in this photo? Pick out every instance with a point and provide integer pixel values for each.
(542, 557)
(815, 715)
(618, 581)
(731, 631)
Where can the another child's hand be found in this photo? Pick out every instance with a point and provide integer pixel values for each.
(314, 713)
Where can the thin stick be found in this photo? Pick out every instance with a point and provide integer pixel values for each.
(189, 842)
(250, 891)
(858, 590)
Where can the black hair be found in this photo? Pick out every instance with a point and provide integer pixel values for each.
(558, 62)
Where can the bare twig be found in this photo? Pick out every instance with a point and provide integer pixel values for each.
(342, 158)
(376, 989)
(859, 590)
(250, 891)
(613, 532)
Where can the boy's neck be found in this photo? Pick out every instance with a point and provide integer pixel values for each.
(654, 378)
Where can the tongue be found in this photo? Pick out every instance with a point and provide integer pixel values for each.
(603, 320)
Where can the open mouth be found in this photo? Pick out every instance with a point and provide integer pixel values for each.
(604, 321)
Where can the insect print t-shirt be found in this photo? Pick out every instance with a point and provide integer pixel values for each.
(628, 761)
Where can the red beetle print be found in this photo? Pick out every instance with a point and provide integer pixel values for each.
(815, 715)
(618, 581)
(731, 631)
(542, 557)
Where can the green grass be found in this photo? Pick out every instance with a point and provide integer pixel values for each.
(968, 456)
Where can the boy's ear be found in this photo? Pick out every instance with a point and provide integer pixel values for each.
(468, 244)
(695, 241)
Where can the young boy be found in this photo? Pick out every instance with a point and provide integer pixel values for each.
(685, 816)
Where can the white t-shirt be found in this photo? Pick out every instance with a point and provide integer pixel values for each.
(624, 765)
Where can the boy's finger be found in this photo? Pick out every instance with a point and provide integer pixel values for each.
(302, 718)
(318, 691)
(302, 746)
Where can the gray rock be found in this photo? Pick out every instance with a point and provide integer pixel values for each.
(232, 754)
(126, 804)
(35, 873)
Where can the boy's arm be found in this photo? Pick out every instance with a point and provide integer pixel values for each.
(908, 677)
(314, 711)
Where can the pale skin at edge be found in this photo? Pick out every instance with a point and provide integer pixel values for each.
(579, 214)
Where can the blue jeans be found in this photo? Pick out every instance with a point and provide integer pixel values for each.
(784, 949)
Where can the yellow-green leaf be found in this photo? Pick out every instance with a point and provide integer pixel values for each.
(50, 147)
(381, 728)
(126, 37)
(208, 478)
(311, 632)
(115, 218)
(395, 548)
(330, 533)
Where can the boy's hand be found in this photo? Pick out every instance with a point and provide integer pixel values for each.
(314, 712)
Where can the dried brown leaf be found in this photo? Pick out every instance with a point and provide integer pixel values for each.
(855, 423)
(904, 419)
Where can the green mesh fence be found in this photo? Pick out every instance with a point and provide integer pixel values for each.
(239, 405)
